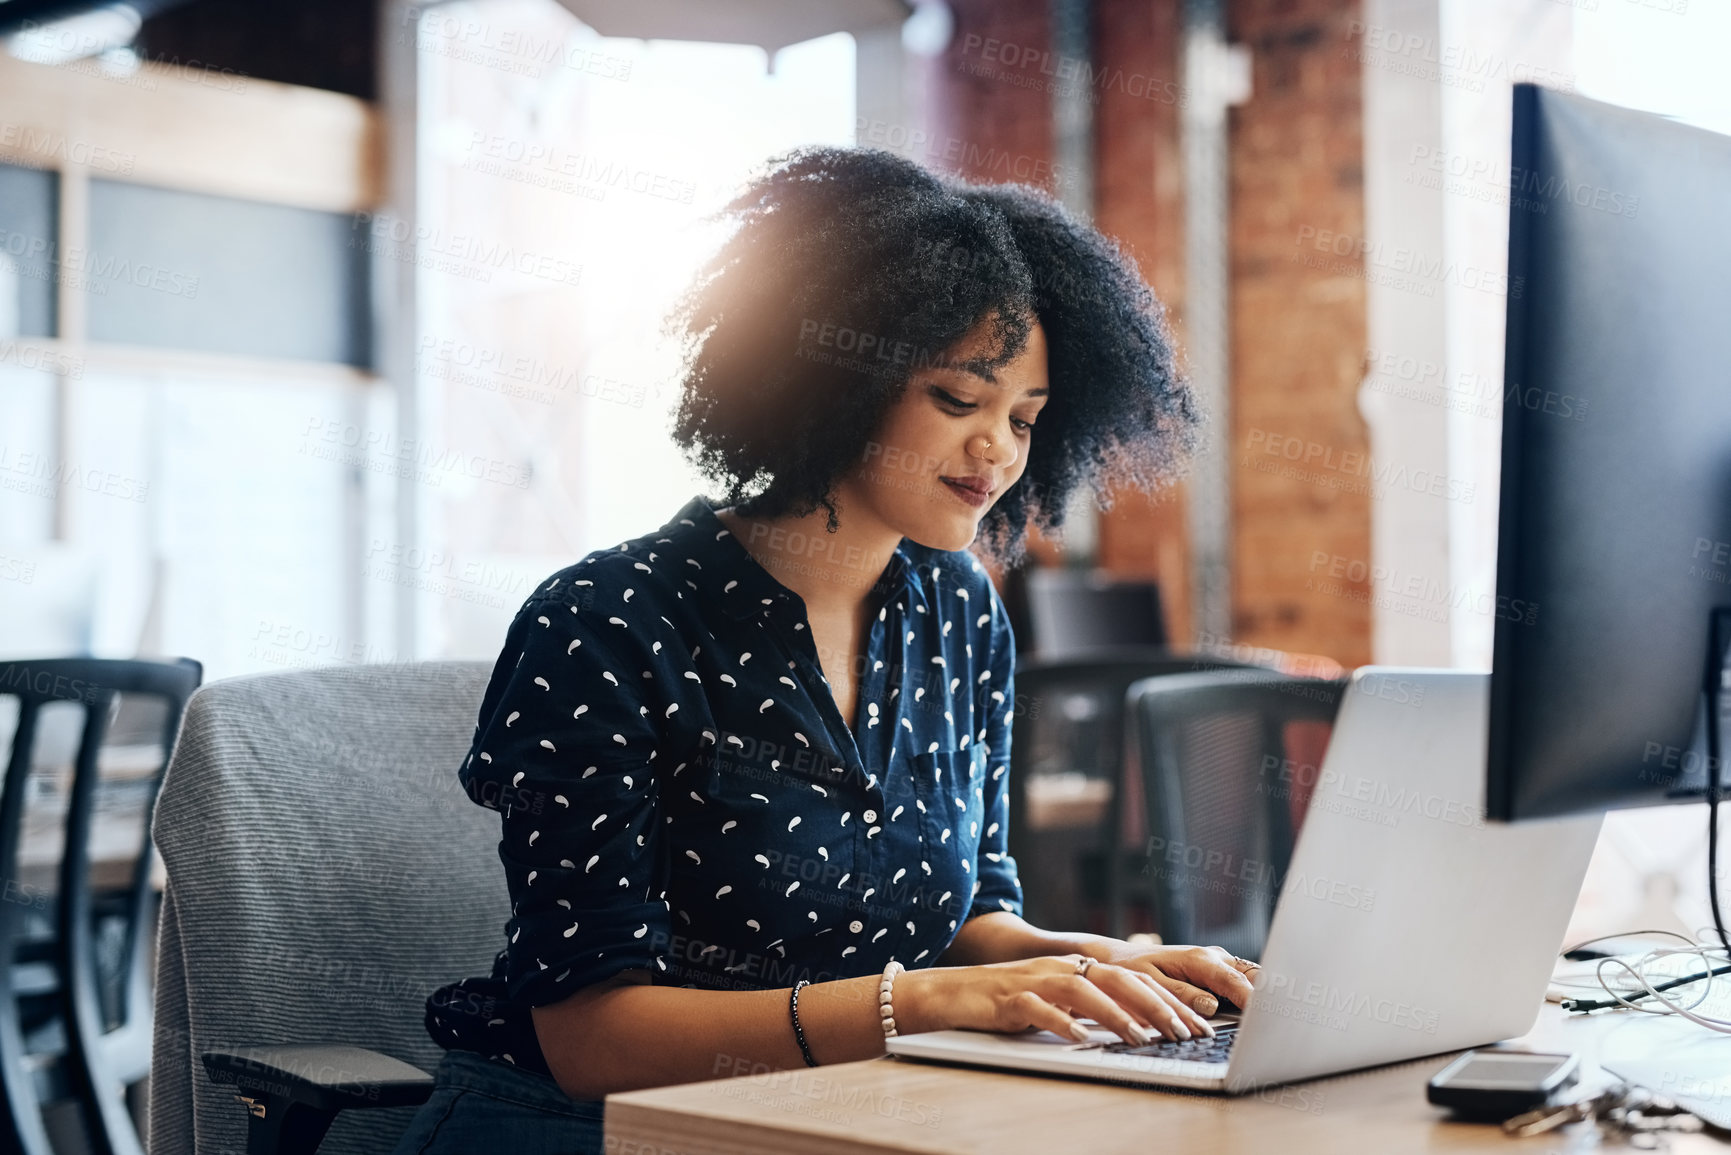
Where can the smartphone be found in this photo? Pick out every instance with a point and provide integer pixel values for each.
(1495, 1085)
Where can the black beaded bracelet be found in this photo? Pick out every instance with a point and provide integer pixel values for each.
(798, 1031)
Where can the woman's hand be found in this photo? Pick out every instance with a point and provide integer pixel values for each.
(1194, 974)
(1047, 993)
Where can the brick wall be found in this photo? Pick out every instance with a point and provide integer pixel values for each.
(1298, 332)
(1139, 201)
(988, 95)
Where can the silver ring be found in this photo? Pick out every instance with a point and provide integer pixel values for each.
(1246, 964)
(1083, 965)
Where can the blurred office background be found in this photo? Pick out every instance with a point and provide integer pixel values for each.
(328, 329)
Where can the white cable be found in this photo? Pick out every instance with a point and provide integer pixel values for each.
(1636, 970)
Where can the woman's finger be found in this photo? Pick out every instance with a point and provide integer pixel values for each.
(1145, 989)
(1148, 1003)
(1083, 998)
(1031, 1010)
(1194, 997)
(1213, 968)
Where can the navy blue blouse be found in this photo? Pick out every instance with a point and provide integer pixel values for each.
(679, 793)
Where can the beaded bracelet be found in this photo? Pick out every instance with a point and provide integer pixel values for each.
(798, 1031)
(885, 1011)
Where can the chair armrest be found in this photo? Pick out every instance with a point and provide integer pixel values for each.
(334, 1078)
(293, 1092)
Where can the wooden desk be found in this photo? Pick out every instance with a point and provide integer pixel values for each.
(902, 1106)
(116, 828)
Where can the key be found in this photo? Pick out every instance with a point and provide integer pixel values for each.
(1549, 1118)
(1542, 1119)
(1640, 1115)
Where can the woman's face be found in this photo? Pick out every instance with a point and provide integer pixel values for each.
(952, 430)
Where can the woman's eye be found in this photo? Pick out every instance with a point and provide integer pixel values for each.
(1025, 426)
(947, 399)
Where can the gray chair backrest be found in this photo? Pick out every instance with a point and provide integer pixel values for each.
(326, 872)
(1215, 754)
(1069, 719)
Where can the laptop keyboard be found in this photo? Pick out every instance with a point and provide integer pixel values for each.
(1198, 1050)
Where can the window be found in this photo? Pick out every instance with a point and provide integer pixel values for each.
(565, 178)
(183, 323)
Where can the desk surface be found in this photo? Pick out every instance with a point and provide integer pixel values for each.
(116, 829)
(903, 1106)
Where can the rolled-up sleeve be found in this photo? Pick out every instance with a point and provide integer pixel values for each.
(564, 751)
(996, 884)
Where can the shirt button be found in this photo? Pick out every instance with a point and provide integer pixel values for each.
(856, 926)
(870, 816)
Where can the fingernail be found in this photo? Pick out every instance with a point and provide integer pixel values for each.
(1143, 1035)
(1183, 1031)
(1207, 1030)
(1078, 1032)
(1206, 1004)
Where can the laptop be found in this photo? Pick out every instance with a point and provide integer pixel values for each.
(1407, 925)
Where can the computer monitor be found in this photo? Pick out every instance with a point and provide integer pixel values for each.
(1614, 539)
(1077, 612)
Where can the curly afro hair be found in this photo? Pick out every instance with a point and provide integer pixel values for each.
(846, 270)
(1119, 410)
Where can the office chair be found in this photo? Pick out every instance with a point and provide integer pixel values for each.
(76, 1009)
(326, 873)
(1068, 732)
(1074, 612)
(1222, 763)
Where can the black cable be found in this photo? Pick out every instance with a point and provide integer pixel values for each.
(1669, 984)
(1715, 681)
(1567, 952)
(1713, 860)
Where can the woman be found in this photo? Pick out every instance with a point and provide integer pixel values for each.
(752, 764)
